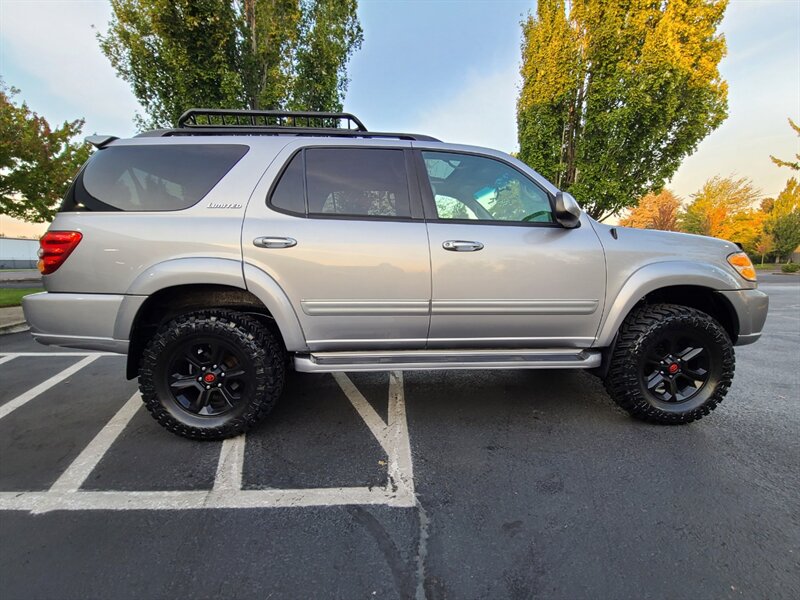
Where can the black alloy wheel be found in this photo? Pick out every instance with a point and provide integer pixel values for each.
(208, 376)
(676, 367)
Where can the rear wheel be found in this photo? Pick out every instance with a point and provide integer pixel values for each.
(211, 374)
(672, 364)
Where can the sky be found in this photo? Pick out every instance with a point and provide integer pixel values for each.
(447, 68)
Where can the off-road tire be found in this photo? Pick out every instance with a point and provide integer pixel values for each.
(265, 356)
(625, 383)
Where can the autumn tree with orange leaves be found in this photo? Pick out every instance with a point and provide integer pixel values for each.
(726, 208)
(655, 211)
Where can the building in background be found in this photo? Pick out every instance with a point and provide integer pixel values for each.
(18, 253)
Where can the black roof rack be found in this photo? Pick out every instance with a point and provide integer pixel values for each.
(215, 121)
(217, 117)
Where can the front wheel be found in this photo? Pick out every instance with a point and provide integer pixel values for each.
(671, 365)
(211, 374)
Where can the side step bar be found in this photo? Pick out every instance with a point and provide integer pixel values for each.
(411, 360)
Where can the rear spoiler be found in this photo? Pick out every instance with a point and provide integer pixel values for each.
(100, 141)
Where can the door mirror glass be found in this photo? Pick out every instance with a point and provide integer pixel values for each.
(568, 213)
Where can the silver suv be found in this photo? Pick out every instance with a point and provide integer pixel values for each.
(242, 243)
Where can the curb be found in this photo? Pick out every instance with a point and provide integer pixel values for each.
(23, 280)
(17, 327)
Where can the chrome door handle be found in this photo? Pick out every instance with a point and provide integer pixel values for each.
(274, 242)
(462, 246)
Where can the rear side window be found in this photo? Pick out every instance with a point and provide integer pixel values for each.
(151, 177)
(358, 182)
(289, 194)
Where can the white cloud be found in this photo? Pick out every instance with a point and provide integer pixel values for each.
(52, 43)
(481, 113)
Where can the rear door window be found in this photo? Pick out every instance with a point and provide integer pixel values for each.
(347, 182)
(362, 182)
(151, 177)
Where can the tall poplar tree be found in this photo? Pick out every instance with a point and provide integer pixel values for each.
(268, 54)
(616, 93)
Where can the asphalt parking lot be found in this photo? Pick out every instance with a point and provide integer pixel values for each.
(469, 484)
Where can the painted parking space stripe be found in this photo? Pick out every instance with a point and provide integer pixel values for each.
(42, 502)
(72, 479)
(392, 436)
(227, 492)
(7, 358)
(231, 465)
(368, 414)
(10, 355)
(22, 399)
(400, 464)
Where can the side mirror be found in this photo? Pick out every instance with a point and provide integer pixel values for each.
(568, 213)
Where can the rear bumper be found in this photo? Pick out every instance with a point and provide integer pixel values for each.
(751, 308)
(90, 321)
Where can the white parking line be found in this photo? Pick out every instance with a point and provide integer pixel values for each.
(10, 355)
(392, 436)
(41, 502)
(227, 492)
(7, 358)
(370, 417)
(14, 404)
(230, 466)
(400, 464)
(72, 479)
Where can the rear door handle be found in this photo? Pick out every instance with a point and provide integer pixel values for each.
(462, 246)
(274, 242)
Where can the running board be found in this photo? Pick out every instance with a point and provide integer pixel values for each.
(412, 360)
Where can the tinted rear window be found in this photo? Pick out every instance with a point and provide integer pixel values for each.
(289, 194)
(151, 177)
(357, 181)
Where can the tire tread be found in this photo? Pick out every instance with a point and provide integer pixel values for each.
(256, 340)
(622, 381)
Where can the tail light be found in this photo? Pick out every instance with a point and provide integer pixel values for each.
(54, 248)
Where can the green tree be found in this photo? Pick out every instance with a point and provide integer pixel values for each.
(268, 54)
(176, 54)
(724, 208)
(783, 221)
(616, 94)
(793, 165)
(37, 162)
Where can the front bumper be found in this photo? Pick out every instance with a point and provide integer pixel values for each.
(751, 308)
(91, 321)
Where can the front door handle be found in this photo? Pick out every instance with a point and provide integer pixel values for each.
(462, 246)
(274, 242)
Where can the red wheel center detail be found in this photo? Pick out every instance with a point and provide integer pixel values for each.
(209, 378)
(674, 368)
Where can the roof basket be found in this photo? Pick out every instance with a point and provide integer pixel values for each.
(209, 118)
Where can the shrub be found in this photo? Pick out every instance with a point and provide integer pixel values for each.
(790, 268)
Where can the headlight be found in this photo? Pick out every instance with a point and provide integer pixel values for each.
(741, 262)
